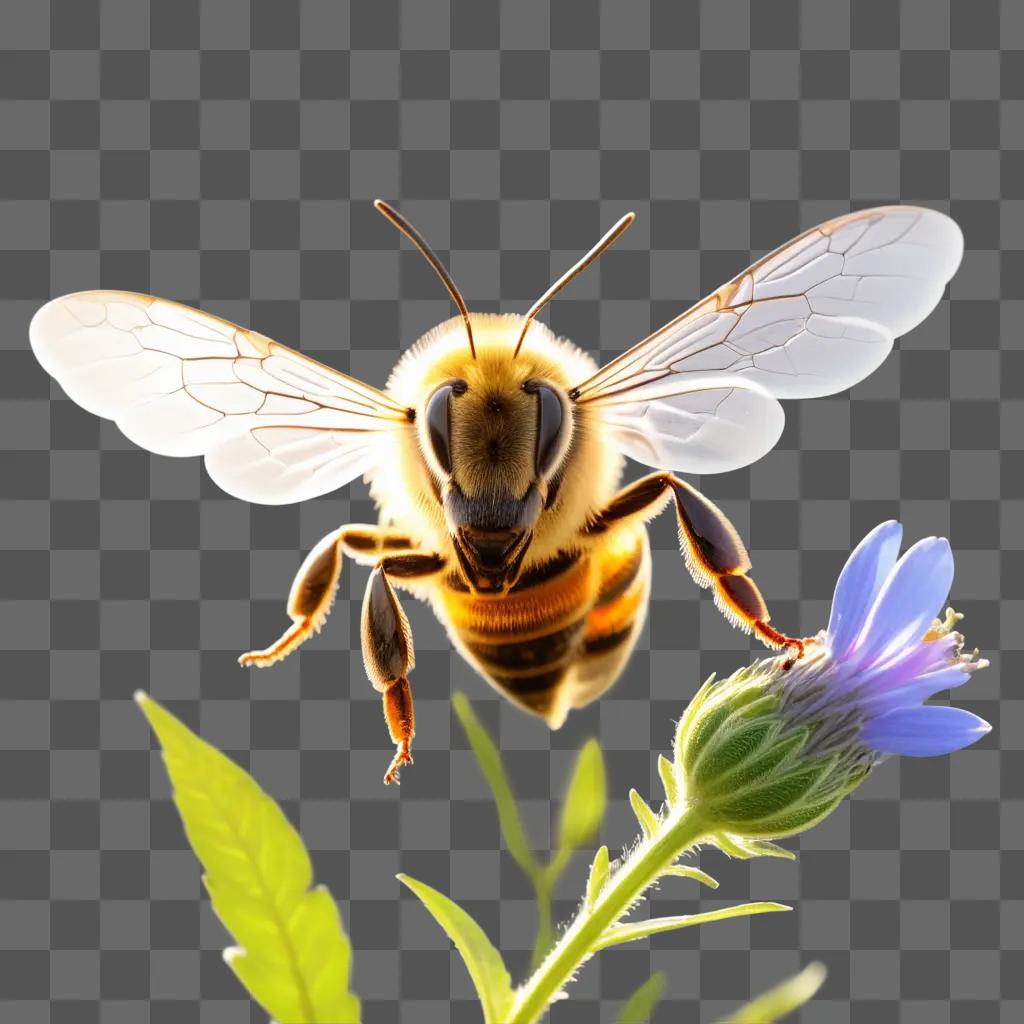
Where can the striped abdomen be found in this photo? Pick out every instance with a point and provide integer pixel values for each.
(561, 636)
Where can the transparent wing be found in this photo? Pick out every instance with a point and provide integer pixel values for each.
(274, 426)
(699, 427)
(812, 318)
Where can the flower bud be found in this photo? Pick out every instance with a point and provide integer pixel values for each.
(750, 770)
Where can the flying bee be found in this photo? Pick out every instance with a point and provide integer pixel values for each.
(495, 450)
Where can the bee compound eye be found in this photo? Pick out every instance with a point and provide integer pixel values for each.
(438, 418)
(551, 426)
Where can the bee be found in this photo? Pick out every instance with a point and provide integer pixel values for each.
(495, 450)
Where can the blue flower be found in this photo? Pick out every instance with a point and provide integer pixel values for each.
(890, 653)
(774, 748)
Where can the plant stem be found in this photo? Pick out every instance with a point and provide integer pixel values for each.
(677, 833)
(544, 927)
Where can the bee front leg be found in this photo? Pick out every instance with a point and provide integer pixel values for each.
(388, 648)
(716, 557)
(316, 583)
(712, 549)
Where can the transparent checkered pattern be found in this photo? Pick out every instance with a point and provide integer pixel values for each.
(225, 153)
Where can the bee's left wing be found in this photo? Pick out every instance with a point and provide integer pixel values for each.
(812, 318)
(274, 426)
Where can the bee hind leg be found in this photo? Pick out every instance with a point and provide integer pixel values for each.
(388, 652)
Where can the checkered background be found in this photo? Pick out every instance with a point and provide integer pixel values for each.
(225, 154)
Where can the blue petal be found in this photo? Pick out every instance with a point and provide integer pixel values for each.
(925, 731)
(909, 600)
(882, 696)
(859, 582)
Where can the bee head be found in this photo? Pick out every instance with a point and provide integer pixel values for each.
(495, 443)
(494, 430)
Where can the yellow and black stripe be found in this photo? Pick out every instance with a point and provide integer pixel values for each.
(562, 621)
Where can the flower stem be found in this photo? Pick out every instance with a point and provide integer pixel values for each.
(545, 929)
(677, 833)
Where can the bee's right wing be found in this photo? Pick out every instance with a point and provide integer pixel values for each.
(810, 319)
(275, 427)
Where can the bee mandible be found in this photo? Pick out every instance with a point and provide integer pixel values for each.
(494, 452)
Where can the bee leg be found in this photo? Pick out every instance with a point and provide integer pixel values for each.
(388, 648)
(316, 582)
(716, 557)
(366, 545)
(714, 553)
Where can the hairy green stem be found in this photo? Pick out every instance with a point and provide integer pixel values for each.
(676, 834)
(544, 879)
(545, 927)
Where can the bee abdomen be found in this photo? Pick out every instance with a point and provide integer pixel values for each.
(609, 641)
(615, 620)
(540, 691)
(527, 656)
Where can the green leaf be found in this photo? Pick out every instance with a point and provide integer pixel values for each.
(777, 1002)
(681, 871)
(642, 1002)
(598, 876)
(744, 849)
(583, 810)
(647, 818)
(292, 955)
(667, 771)
(489, 760)
(620, 933)
(482, 960)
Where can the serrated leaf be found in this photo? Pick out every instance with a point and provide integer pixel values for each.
(667, 771)
(293, 954)
(620, 933)
(489, 761)
(585, 800)
(599, 871)
(782, 1000)
(647, 818)
(642, 1002)
(482, 960)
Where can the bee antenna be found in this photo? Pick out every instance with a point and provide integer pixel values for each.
(577, 268)
(439, 268)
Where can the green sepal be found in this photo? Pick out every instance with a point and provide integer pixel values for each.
(644, 815)
(730, 749)
(684, 723)
(776, 755)
(598, 877)
(759, 803)
(750, 703)
(669, 782)
(703, 728)
(797, 819)
(694, 874)
(746, 849)
(734, 702)
(634, 930)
